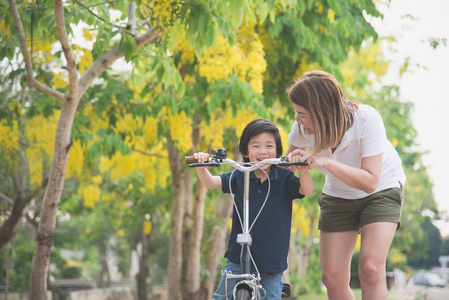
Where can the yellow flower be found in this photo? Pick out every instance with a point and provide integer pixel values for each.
(76, 161)
(331, 15)
(90, 194)
(147, 226)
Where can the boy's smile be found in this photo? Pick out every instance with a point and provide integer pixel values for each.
(261, 147)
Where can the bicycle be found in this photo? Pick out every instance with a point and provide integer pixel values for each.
(248, 287)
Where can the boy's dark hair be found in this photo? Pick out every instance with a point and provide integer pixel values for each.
(255, 128)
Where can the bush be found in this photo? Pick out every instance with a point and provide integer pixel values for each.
(71, 273)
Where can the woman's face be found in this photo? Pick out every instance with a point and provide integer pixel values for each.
(303, 117)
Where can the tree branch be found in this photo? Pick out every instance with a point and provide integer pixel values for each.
(26, 57)
(132, 18)
(7, 199)
(149, 154)
(91, 12)
(71, 66)
(104, 61)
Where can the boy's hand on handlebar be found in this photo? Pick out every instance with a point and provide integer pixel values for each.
(201, 157)
(297, 157)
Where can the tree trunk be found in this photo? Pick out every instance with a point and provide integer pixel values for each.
(19, 204)
(12, 224)
(187, 223)
(50, 204)
(103, 279)
(142, 292)
(219, 239)
(192, 285)
(304, 262)
(174, 268)
(217, 249)
(51, 288)
(6, 259)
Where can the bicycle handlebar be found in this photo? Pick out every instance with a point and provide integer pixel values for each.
(242, 166)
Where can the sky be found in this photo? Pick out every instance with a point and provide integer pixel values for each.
(413, 23)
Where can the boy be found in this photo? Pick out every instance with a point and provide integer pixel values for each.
(271, 233)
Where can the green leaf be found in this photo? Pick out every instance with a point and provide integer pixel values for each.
(130, 47)
(212, 36)
(236, 12)
(262, 12)
(160, 72)
(94, 151)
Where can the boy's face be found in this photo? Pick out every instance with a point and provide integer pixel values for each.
(260, 147)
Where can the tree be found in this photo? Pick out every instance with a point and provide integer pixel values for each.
(69, 102)
(433, 251)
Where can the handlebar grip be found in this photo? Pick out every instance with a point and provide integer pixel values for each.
(298, 163)
(190, 160)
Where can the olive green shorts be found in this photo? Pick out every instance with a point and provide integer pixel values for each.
(339, 214)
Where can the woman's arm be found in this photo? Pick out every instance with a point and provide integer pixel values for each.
(364, 178)
(291, 148)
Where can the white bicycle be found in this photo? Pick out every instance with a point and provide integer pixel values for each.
(248, 287)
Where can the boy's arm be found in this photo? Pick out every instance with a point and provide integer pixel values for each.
(306, 181)
(207, 179)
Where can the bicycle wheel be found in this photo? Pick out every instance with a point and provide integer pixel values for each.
(242, 294)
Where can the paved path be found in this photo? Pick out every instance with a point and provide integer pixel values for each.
(413, 292)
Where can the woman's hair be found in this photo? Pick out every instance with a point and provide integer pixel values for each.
(255, 128)
(331, 113)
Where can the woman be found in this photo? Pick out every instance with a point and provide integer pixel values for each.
(363, 188)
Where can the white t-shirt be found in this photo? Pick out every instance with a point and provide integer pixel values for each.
(366, 137)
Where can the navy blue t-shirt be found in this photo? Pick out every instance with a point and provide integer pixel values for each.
(271, 232)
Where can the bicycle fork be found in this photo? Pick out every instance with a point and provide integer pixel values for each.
(248, 282)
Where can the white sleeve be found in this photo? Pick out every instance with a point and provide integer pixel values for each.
(373, 136)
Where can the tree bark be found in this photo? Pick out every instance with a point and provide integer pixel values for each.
(50, 204)
(6, 260)
(103, 278)
(19, 204)
(12, 224)
(174, 269)
(192, 286)
(142, 292)
(219, 238)
(304, 262)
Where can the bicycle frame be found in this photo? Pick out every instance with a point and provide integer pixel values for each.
(248, 281)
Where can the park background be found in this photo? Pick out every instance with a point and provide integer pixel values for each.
(130, 90)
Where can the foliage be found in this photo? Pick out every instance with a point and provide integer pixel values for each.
(310, 283)
(19, 265)
(433, 249)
